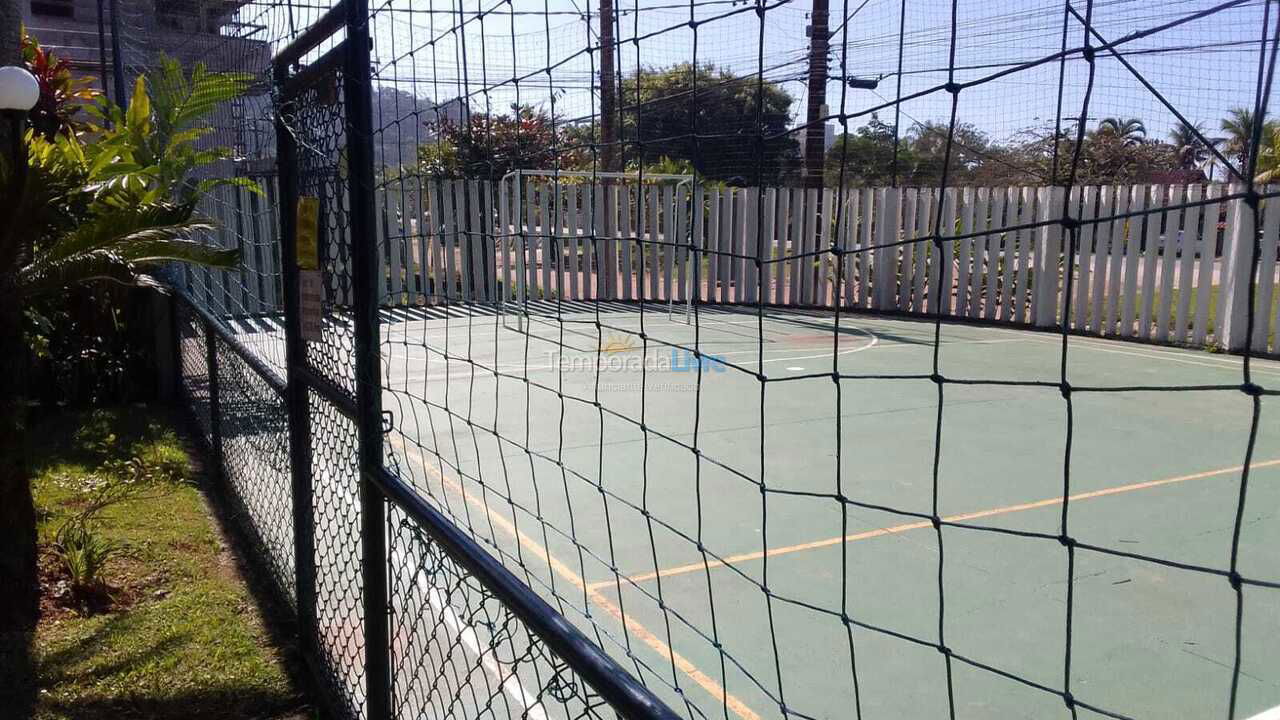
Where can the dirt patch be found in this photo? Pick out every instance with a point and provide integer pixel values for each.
(59, 599)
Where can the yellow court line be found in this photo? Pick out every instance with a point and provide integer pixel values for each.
(703, 680)
(880, 532)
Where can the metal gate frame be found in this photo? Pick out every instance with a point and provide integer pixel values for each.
(378, 486)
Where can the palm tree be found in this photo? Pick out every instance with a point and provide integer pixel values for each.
(1188, 142)
(1239, 125)
(1131, 131)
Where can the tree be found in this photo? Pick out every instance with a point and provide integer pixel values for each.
(730, 127)
(1269, 157)
(490, 146)
(865, 156)
(970, 147)
(1187, 142)
(106, 209)
(1130, 131)
(1239, 127)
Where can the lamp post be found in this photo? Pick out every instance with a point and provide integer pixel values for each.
(19, 92)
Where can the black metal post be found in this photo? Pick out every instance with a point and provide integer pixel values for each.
(296, 394)
(359, 109)
(215, 402)
(117, 60)
(102, 48)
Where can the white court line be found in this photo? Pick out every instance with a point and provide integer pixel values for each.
(875, 340)
(459, 375)
(1225, 363)
(1272, 714)
(466, 634)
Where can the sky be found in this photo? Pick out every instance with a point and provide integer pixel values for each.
(441, 49)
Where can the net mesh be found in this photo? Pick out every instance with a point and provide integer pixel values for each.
(642, 351)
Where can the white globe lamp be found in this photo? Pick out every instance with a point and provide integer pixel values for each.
(19, 89)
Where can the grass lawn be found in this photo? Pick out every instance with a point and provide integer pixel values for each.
(181, 636)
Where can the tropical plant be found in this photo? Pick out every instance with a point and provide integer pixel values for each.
(1189, 142)
(1239, 126)
(1131, 131)
(122, 202)
(94, 205)
(62, 95)
(1269, 157)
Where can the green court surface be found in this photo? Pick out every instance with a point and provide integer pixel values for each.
(758, 535)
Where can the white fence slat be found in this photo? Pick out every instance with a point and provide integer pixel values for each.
(475, 242)
(858, 240)
(900, 215)
(1127, 326)
(1020, 298)
(502, 243)
(1047, 286)
(573, 245)
(778, 248)
(1183, 224)
(847, 239)
(926, 209)
(822, 241)
(768, 243)
(943, 288)
(1151, 259)
(649, 268)
(994, 243)
(1266, 274)
(625, 242)
(449, 236)
(1239, 238)
(607, 228)
(1114, 289)
(808, 248)
(411, 206)
(737, 237)
(543, 251)
(491, 239)
(382, 241)
(1206, 251)
(1006, 253)
(669, 236)
(724, 245)
(589, 241)
(1101, 258)
(964, 254)
(462, 238)
(1084, 252)
(750, 238)
(436, 251)
(794, 233)
(1170, 246)
(677, 255)
(977, 205)
(906, 262)
(711, 245)
(697, 275)
(1224, 269)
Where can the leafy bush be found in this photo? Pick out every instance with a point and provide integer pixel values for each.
(103, 207)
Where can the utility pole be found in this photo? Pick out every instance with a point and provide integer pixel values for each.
(815, 135)
(608, 90)
(117, 60)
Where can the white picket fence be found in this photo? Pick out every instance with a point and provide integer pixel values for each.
(1154, 262)
(248, 221)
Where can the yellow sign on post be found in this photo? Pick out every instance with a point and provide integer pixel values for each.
(308, 225)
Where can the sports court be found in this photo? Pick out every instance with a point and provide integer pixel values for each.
(737, 505)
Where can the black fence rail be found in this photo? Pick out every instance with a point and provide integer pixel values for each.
(466, 638)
